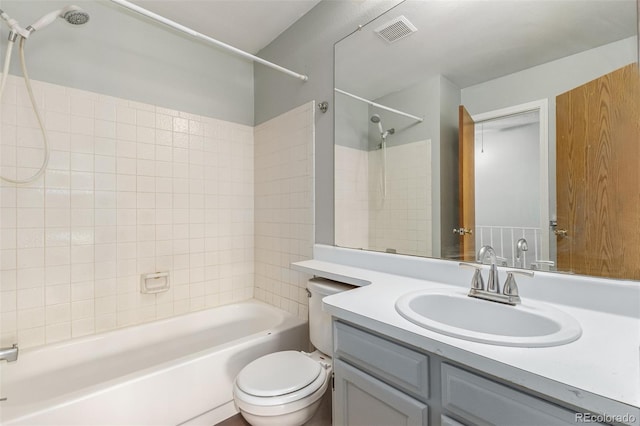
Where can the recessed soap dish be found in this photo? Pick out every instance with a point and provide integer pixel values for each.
(155, 282)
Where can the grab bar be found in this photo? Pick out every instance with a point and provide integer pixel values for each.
(9, 354)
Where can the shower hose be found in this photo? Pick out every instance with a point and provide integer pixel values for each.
(5, 73)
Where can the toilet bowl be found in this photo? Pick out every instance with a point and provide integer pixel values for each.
(283, 388)
(286, 388)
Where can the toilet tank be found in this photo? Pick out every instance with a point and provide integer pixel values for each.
(319, 321)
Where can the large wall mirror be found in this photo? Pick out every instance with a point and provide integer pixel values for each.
(513, 124)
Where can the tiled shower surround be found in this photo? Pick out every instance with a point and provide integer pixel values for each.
(131, 188)
(401, 220)
(284, 148)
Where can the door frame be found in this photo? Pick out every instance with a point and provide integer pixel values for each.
(542, 106)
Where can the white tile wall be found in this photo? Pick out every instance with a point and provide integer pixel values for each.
(130, 188)
(284, 150)
(351, 197)
(402, 220)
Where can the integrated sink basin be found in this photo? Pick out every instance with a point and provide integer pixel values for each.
(452, 312)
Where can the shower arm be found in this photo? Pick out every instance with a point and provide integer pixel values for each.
(206, 38)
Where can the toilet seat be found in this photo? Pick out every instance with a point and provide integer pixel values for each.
(278, 374)
(280, 378)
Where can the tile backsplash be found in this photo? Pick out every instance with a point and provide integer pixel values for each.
(130, 188)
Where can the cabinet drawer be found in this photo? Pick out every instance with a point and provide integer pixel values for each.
(393, 363)
(484, 402)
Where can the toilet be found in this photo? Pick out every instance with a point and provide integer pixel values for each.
(285, 388)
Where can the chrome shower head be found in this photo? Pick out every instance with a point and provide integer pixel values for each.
(375, 118)
(72, 14)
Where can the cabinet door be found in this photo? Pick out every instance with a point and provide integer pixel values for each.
(361, 400)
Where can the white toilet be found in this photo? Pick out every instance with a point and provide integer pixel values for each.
(285, 388)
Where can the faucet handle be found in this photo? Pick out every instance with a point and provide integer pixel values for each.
(493, 280)
(476, 282)
(510, 286)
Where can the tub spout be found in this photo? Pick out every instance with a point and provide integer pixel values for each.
(9, 354)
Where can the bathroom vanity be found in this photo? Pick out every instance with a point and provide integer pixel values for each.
(389, 370)
(380, 381)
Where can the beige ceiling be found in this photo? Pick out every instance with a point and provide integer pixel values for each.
(249, 25)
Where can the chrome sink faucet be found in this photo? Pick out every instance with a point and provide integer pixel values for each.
(521, 247)
(509, 294)
(493, 282)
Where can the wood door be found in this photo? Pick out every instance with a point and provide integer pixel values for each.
(598, 177)
(466, 179)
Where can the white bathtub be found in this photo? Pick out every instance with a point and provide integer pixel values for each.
(169, 372)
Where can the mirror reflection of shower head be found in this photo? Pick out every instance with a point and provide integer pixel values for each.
(375, 118)
(72, 14)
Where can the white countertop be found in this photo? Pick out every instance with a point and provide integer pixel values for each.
(599, 372)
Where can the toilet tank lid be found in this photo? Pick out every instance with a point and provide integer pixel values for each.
(278, 373)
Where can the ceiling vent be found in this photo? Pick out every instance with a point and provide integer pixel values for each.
(396, 29)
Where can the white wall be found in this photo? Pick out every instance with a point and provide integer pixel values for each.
(507, 189)
(131, 188)
(507, 177)
(550, 79)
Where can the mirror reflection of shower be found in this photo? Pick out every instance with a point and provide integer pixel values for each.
(375, 118)
(384, 134)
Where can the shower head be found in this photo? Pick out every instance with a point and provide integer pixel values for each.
(72, 14)
(375, 118)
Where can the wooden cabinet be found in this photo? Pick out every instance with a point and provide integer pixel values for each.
(379, 381)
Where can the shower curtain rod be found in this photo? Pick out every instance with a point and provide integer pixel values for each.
(418, 119)
(206, 38)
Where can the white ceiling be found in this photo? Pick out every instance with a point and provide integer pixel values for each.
(249, 25)
(471, 41)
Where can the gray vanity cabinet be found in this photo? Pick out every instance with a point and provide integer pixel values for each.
(481, 401)
(366, 401)
(382, 382)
